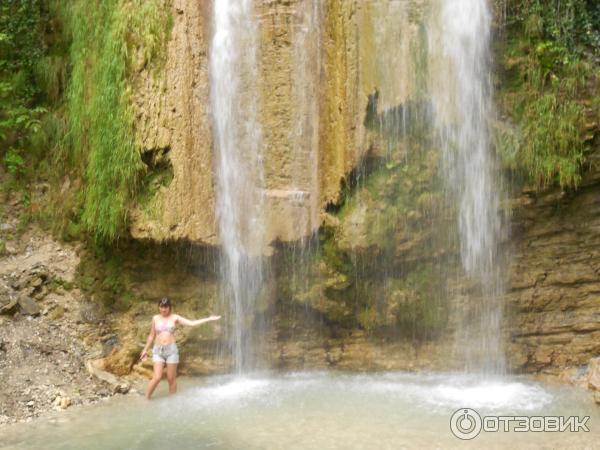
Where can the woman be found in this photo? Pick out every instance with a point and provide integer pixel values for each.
(162, 332)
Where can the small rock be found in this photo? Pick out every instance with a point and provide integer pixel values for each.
(40, 293)
(18, 283)
(121, 388)
(103, 392)
(597, 397)
(65, 402)
(30, 403)
(594, 374)
(28, 291)
(7, 227)
(90, 313)
(28, 306)
(110, 344)
(9, 308)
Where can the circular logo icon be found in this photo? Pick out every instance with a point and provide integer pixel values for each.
(465, 423)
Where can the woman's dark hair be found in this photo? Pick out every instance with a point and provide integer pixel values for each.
(164, 302)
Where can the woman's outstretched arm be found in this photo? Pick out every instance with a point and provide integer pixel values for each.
(194, 323)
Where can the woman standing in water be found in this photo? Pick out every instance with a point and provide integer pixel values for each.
(162, 333)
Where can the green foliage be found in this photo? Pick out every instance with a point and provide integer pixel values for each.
(397, 195)
(58, 282)
(417, 302)
(110, 40)
(372, 260)
(66, 71)
(569, 25)
(20, 47)
(549, 75)
(552, 146)
(51, 72)
(14, 162)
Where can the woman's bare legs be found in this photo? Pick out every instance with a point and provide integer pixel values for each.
(158, 370)
(172, 378)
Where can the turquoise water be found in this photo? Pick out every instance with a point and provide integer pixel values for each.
(313, 411)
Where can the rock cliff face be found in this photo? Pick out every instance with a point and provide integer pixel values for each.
(173, 127)
(326, 97)
(318, 63)
(552, 320)
(554, 303)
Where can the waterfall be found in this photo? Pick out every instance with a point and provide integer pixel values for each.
(238, 167)
(430, 72)
(460, 85)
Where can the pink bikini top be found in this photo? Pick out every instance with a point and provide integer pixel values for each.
(159, 328)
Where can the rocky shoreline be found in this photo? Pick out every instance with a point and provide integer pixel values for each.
(48, 331)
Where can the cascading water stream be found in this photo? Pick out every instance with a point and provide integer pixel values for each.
(460, 88)
(433, 81)
(451, 75)
(238, 166)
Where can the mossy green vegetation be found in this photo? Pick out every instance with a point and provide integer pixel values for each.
(552, 143)
(101, 276)
(150, 198)
(377, 260)
(108, 41)
(549, 88)
(66, 74)
(417, 303)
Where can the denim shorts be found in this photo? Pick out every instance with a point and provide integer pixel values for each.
(165, 354)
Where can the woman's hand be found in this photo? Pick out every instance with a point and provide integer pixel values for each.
(213, 318)
(144, 355)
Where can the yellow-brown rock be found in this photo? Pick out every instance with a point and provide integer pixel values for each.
(318, 62)
(172, 103)
(594, 374)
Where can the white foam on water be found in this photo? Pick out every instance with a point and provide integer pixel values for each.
(443, 391)
(492, 396)
(236, 389)
(309, 411)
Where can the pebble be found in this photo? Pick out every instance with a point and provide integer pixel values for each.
(121, 388)
(65, 402)
(103, 392)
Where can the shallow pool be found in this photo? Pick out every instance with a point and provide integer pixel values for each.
(315, 411)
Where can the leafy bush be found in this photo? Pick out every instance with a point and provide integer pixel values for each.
(550, 72)
(20, 47)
